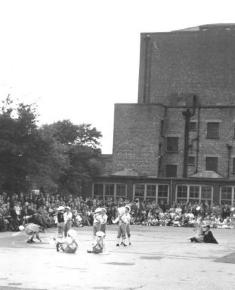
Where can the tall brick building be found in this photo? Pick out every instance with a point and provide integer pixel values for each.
(178, 142)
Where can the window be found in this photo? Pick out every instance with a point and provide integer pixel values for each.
(162, 194)
(109, 189)
(226, 195)
(171, 170)
(212, 163)
(233, 165)
(182, 195)
(98, 189)
(139, 190)
(121, 190)
(206, 194)
(193, 193)
(213, 130)
(191, 160)
(172, 144)
(192, 126)
(151, 191)
(162, 128)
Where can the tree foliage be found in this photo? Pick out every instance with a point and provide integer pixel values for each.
(61, 156)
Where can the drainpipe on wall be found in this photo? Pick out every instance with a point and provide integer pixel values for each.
(198, 138)
(147, 68)
(187, 116)
(229, 147)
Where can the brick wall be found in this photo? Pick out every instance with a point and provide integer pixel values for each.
(106, 160)
(176, 64)
(207, 147)
(136, 137)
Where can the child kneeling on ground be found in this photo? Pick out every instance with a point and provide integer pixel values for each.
(99, 245)
(32, 230)
(69, 244)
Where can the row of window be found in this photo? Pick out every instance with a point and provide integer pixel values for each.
(107, 190)
(172, 144)
(160, 192)
(210, 161)
(212, 129)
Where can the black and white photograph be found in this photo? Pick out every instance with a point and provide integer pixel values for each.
(117, 145)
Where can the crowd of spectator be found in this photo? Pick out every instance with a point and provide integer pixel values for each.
(41, 208)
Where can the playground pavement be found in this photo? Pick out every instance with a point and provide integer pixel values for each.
(159, 258)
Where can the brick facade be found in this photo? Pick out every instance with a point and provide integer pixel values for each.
(179, 63)
(136, 137)
(175, 67)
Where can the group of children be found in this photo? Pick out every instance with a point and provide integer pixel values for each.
(66, 237)
(66, 240)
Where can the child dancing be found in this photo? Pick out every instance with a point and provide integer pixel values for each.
(69, 244)
(32, 230)
(99, 245)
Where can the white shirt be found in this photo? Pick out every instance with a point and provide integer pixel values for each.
(68, 216)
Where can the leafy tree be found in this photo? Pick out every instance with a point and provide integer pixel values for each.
(58, 157)
(81, 146)
(67, 133)
(23, 151)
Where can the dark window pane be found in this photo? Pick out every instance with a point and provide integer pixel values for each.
(163, 190)
(162, 128)
(171, 170)
(212, 163)
(192, 126)
(191, 160)
(194, 192)
(151, 190)
(121, 190)
(109, 189)
(98, 189)
(182, 193)
(213, 130)
(226, 195)
(206, 193)
(139, 190)
(172, 144)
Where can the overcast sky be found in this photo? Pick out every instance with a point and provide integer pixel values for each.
(76, 59)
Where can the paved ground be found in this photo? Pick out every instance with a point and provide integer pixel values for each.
(160, 258)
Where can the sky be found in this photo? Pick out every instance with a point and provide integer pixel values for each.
(76, 59)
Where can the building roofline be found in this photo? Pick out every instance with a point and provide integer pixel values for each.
(179, 107)
(199, 28)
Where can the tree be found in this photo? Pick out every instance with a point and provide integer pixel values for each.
(23, 151)
(81, 146)
(58, 157)
(68, 133)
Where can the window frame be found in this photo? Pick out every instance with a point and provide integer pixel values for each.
(208, 136)
(233, 165)
(200, 199)
(167, 143)
(232, 194)
(156, 197)
(190, 126)
(215, 157)
(194, 160)
(176, 166)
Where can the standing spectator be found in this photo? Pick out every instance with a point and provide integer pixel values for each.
(60, 221)
(68, 217)
(97, 222)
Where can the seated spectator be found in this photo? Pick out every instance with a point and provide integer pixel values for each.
(208, 236)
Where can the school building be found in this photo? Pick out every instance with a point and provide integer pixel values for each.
(177, 143)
